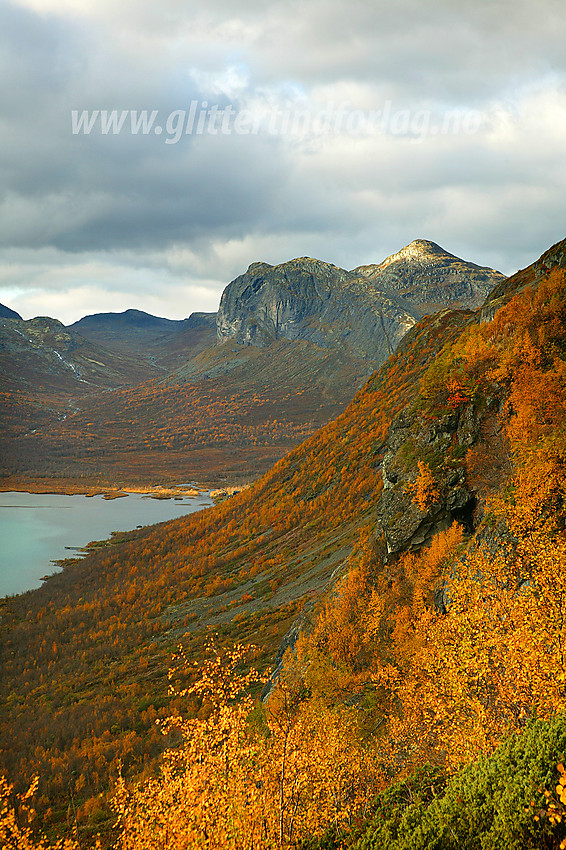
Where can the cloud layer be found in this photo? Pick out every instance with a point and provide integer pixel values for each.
(361, 127)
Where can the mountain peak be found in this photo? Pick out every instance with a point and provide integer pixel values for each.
(430, 278)
(425, 245)
(258, 267)
(421, 250)
(311, 300)
(126, 317)
(7, 313)
(290, 268)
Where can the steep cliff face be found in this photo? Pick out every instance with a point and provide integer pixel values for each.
(443, 442)
(314, 301)
(427, 277)
(367, 310)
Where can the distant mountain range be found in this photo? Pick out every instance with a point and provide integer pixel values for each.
(297, 338)
(164, 343)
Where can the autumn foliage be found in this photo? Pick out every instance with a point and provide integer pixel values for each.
(450, 656)
(246, 778)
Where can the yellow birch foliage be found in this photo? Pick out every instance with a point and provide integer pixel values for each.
(346, 627)
(492, 661)
(424, 488)
(422, 574)
(324, 775)
(234, 785)
(424, 570)
(16, 817)
(209, 793)
(555, 803)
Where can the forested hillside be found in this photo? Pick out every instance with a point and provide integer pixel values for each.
(415, 545)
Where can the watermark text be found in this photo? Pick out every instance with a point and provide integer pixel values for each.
(201, 118)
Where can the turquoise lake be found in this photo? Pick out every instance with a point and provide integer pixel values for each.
(35, 529)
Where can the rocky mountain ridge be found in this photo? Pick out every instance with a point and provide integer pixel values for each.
(363, 313)
(42, 352)
(367, 310)
(428, 278)
(314, 301)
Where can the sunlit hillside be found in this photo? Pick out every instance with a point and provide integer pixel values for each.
(412, 550)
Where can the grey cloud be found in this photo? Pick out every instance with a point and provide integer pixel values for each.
(494, 196)
(450, 50)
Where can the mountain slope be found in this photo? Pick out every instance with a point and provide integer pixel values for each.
(245, 568)
(7, 313)
(42, 353)
(415, 449)
(163, 343)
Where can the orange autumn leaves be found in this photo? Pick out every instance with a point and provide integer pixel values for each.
(495, 659)
(385, 680)
(247, 777)
(424, 488)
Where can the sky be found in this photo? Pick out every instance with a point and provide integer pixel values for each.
(150, 152)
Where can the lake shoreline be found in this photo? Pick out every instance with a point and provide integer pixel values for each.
(69, 487)
(41, 531)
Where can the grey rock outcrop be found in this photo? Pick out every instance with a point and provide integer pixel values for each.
(401, 523)
(314, 301)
